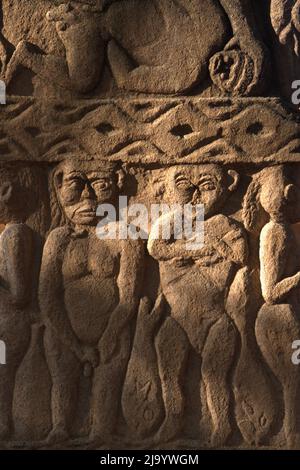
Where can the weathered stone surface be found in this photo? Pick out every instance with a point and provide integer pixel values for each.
(143, 342)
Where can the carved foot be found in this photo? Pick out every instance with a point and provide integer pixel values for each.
(220, 436)
(95, 440)
(170, 430)
(57, 436)
(5, 432)
(15, 61)
(293, 441)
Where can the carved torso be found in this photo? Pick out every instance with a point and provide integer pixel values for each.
(90, 270)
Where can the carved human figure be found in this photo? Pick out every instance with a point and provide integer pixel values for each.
(277, 323)
(195, 284)
(88, 297)
(145, 51)
(285, 19)
(16, 284)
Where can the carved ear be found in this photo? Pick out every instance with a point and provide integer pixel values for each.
(290, 193)
(6, 190)
(236, 178)
(58, 177)
(120, 174)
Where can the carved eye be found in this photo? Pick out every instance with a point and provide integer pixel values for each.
(101, 185)
(184, 184)
(207, 186)
(76, 183)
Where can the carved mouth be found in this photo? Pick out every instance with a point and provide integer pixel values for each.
(86, 212)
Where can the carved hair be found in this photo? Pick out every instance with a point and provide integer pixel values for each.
(253, 211)
(251, 206)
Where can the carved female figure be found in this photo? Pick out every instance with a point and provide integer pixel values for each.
(16, 284)
(277, 324)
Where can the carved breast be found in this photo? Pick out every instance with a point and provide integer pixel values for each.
(90, 288)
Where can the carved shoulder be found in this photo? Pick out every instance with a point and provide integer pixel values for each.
(56, 242)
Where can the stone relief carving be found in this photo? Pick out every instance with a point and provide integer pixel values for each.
(160, 132)
(18, 249)
(198, 318)
(277, 319)
(285, 19)
(88, 296)
(146, 343)
(144, 51)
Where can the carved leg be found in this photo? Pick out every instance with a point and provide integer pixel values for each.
(217, 360)
(21, 56)
(16, 336)
(142, 402)
(276, 328)
(148, 79)
(107, 390)
(172, 347)
(65, 371)
(7, 382)
(49, 67)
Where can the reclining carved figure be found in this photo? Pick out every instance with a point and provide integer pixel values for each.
(145, 50)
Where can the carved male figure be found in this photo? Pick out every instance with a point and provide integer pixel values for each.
(195, 284)
(88, 296)
(16, 283)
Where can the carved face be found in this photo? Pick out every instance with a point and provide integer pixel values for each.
(203, 184)
(278, 194)
(80, 191)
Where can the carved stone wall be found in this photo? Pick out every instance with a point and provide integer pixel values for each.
(141, 343)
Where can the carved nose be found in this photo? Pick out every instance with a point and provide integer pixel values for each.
(87, 191)
(196, 196)
(50, 16)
